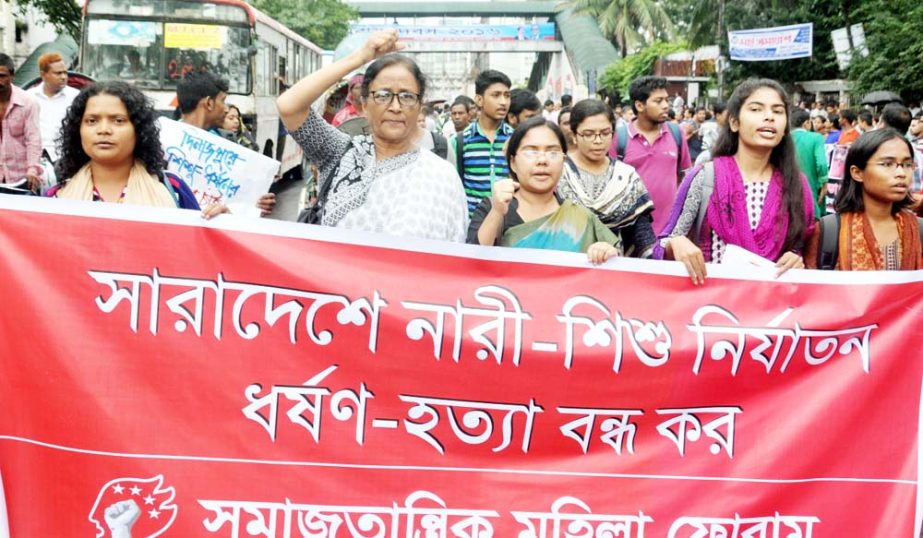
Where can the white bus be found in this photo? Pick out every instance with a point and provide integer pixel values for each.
(154, 43)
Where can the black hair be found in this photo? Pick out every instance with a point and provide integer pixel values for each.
(671, 114)
(700, 109)
(896, 116)
(719, 107)
(488, 78)
(799, 116)
(589, 108)
(7, 62)
(849, 115)
(197, 86)
(849, 198)
(642, 87)
(141, 114)
(521, 100)
(782, 158)
(512, 145)
(865, 116)
(834, 120)
(387, 61)
(549, 102)
(566, 100)
(240, 118)
(565, 110)
(463, 100)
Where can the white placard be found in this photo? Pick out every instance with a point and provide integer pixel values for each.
(217, 169)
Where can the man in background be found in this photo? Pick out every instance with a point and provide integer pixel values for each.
(523, 105)
(20, 133)
(54, 97)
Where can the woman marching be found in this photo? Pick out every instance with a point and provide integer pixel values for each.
(612, 189)
(111, 152)
(382, 182)
(524, 211)
(873, 230)
(752, 195)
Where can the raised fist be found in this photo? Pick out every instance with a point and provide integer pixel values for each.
(121, 516)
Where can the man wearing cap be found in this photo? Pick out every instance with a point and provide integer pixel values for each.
(353, 106)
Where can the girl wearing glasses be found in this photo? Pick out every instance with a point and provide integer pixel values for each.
(874, 228)
(380, 182)
(611, 189)
(524, 211)
(756, 198)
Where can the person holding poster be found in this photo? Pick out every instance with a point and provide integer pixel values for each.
(874, 229)
(525, 212)
(202, 104)
(111, 152)
(382, 182)
(754, 174)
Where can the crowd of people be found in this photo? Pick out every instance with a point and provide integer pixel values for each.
(822, 187)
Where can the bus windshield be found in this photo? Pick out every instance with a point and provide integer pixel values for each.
(156, 54)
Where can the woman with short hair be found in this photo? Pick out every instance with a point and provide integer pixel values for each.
(382, 182)
(610, 188)
(524, 211)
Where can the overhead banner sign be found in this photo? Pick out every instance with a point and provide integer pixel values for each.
(468, 32)
(767, 44)
(239, 378)
(215, 168)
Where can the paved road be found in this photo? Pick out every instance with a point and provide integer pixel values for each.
(288, 199)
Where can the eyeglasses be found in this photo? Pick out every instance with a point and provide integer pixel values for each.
(406, 99)
(594, 136)
(892, 165)
(533, 154)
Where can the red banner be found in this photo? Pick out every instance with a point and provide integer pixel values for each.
(165, 376)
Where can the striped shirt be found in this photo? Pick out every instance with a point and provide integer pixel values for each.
(483, 162)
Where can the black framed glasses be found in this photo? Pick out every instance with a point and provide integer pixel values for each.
(384, 97)
(591, 135)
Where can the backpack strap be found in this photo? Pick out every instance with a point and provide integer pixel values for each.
(169, 185)
(460, 153)
(440, 146)
(678, 138)
(708, 187)
(829, 242)
(621, 141)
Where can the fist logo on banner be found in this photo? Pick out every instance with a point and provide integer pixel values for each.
(133, 508)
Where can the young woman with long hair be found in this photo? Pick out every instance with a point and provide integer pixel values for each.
(874, 227)
(758, 199)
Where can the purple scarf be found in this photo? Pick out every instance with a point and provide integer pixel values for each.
(727, 213)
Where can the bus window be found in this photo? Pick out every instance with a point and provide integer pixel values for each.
(207, 47)
(125, 50)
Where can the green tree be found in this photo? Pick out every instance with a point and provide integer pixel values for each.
(64, 15)
(629, 24)
(323, 22)
(895, 49)
(618, 75)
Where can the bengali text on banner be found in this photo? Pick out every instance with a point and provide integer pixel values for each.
(170, 376)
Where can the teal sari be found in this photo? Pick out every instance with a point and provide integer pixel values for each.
(572, 228)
